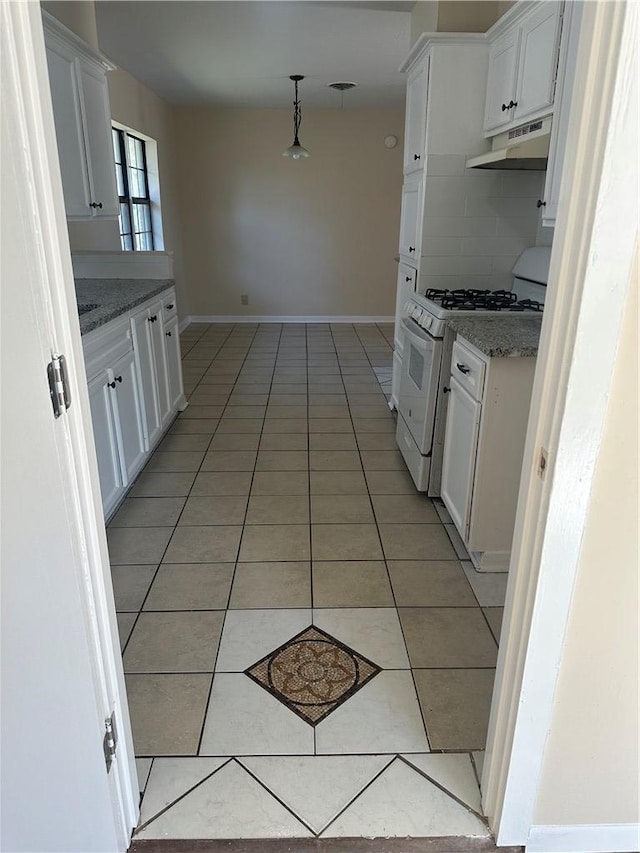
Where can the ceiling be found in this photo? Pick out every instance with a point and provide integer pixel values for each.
(237, 53)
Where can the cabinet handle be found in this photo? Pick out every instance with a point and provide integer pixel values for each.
(446, 390)
(463, 368)
(417, 157)
(168, 334)
(96, 204)
(541, 203)
(169, 307)
(412, 248)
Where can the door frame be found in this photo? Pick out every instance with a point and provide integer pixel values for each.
(30, 112)
(593, 251)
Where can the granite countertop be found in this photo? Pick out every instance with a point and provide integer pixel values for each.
(500, 337)
(113, 297)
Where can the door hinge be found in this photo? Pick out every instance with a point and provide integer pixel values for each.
(110, 740)
(58, 385)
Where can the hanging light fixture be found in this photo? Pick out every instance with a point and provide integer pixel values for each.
(296, 150)
(342, 86)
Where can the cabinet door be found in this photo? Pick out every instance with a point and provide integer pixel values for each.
(539, 40)
(99, 150)
(160, 362)
(562, 108)
(459, 459)
(411, 217)
(141, 325)
(69, 132)
(405, 288)
(174, 364)
(501, 81)
(128, 417)
(416, 118)
(106, 440)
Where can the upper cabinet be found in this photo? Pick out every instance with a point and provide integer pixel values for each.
(416, 117)
(82, 116)
(523, 65)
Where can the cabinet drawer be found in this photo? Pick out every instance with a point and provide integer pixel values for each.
(169, 306)
(468, 369)
(106, 345)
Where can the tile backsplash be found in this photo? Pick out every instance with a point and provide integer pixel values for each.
(476, 223)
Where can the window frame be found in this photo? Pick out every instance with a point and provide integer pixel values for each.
(127, 198)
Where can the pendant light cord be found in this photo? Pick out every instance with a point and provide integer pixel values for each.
(297, 115)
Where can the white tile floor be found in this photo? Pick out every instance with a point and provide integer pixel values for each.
(278, 500)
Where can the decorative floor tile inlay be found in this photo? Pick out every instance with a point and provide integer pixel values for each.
(313, 673)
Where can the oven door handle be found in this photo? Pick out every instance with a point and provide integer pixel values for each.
(420, 338)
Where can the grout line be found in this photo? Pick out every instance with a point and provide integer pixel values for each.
(394, 757)
(444, 790)
(274, 795)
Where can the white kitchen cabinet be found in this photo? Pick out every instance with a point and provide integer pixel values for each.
(173, 363)
(460, 450)
(502, 81)
(486, 426)
(405, 288)
(523, 65)
(79, 93)
(411, 217)
(129, 366)
(562, 110)
(416, 117)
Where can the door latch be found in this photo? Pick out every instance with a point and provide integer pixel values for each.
(110, 741)
(58, 385)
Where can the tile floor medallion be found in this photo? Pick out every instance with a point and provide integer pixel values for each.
(313, 673)
(308, 650)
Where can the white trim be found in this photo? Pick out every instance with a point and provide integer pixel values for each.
(182, 325)
(588, 282)
(59, 32)
(123, 265)
(267, 318)
(584, 838)
(426, 39)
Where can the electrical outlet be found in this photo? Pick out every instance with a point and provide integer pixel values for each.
(244, 299)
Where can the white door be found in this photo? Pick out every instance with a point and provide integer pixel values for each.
(540, 36)
(97, 128)
(69, 132)
(459, 459)
(128, 416)
(411, 217)
(174, 366)
(160, 362)
(106, 440)
(146, 369)
(501, 82)
(416, 118)
(61, 674)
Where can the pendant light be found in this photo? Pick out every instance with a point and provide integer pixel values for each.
(296, 151)
(342, 86)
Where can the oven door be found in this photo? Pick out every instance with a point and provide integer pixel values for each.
(421, 360)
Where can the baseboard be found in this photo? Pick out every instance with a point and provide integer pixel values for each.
(182, 325)
(584, 838)
(122, 264)
(258, 318)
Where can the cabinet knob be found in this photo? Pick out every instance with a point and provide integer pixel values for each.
(446, 390)
(505, 107)
(512, 104)
(463, 368)
(169, 307)
(153, 318)
(412, 248)
(417, 157)
(407, 278)
(168, 334)
(118, 378)
(541, 203)
(96, 204)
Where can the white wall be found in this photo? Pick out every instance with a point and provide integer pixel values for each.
(594, 731)
(301, 238)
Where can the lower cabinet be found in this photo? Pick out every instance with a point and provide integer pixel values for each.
(487, 417)
(135, 388)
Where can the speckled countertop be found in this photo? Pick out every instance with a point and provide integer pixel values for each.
(113, 297)
(500, 337)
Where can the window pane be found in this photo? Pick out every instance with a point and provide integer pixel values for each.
(127, 244)
(141, 217)
(137, 183)
(134, 152)
(125, 223)
(119, 179)
(143, 242)
(115, 138)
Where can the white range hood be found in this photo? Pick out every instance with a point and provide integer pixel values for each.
(525, 147)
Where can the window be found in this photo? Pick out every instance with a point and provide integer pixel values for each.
(130, 153)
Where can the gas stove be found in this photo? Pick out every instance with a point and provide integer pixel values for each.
(431, 310)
